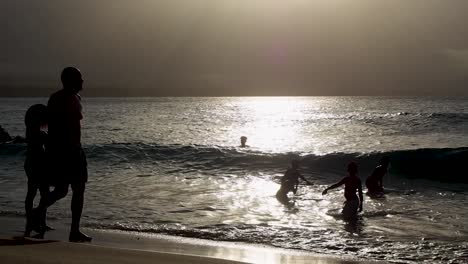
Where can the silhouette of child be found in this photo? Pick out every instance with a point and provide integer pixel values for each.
(35, 163)
(352, 184)
(374, 181)
(290, 181)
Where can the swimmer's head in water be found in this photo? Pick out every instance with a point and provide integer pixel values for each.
(352, 167)
(243, 139)
(72, 79)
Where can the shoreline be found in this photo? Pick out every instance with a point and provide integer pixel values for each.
(109, 246)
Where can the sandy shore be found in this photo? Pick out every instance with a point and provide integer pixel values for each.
(62, 252)
(132, 247)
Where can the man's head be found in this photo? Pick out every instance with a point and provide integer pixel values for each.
(72, 79)
(243, 140)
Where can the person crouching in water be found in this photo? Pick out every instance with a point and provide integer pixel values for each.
(35, 163)
(352, 184)
(374, 182)
(290, 181)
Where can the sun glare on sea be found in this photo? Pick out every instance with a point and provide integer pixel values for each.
(273, 122)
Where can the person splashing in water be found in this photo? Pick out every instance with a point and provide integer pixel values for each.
(352, 184)
(290, 181)
(374, 182)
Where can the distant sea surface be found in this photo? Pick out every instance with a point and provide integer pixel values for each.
(174, 166)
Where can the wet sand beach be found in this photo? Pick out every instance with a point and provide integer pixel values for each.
(132, 247)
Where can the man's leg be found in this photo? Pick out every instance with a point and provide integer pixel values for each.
(58, 193)
(77, 205)
(77, 208)
(44, 189)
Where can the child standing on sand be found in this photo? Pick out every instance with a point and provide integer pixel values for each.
(352, 184)
(35, 164)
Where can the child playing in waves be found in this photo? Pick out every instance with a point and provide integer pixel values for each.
(290, 181)
(35, 163)
(352, 184)
(374, 181)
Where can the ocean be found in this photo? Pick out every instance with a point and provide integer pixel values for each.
(174, 166)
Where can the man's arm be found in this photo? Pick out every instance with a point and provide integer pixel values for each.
(338, 184)
(74, 108)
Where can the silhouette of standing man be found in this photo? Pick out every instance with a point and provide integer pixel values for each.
(67, 159)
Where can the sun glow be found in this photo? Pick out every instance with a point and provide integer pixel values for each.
(266, 119)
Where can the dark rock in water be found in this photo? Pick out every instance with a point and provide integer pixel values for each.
(4, 136)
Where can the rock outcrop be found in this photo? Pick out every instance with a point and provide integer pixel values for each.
(4, 136)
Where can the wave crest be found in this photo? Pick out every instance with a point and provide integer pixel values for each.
(444, 164)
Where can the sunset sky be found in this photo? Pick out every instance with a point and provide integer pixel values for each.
(236, 47)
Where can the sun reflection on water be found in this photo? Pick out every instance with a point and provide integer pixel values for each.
(252, 201)
(271, 122)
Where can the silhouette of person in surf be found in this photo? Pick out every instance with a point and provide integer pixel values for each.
(374, 182)
(243, 140)
(35, 163)
(352, 184)
(68, 164)
(290, 181)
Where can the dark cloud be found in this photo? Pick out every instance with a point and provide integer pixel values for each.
(240, 47)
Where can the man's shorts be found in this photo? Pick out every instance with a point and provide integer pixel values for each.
(68, 166)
